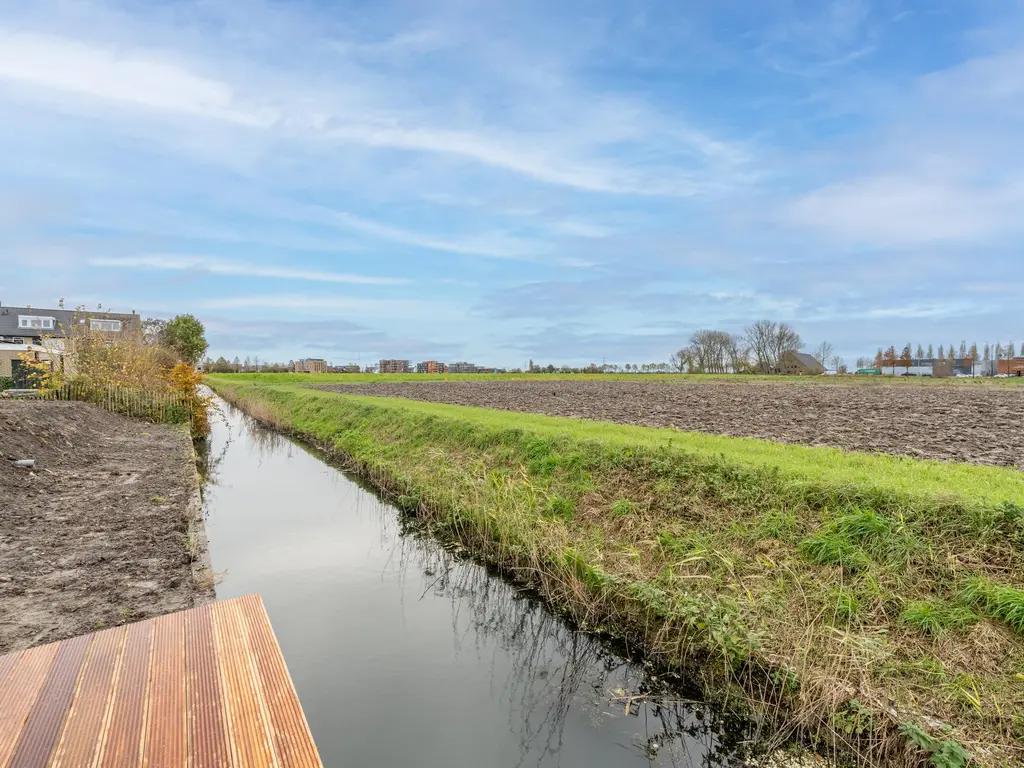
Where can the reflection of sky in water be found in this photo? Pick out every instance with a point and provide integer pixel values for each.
(406, 656)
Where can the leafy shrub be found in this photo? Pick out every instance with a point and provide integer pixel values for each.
(942, 753)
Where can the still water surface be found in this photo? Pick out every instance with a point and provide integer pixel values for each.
(405, 655)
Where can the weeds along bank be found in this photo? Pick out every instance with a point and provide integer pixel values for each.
(123, 373)
(868, 603)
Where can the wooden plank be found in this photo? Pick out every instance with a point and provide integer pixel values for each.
(45, 721)
(167, 723)
(251, 744)
(206, 688)
(7, 662)
(123, 738)
(208, 737)
(292, 738)
(83, 729)
(20, 692)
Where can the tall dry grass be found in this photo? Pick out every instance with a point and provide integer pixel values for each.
(100, 360)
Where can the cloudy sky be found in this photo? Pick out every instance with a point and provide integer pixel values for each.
(493, 181)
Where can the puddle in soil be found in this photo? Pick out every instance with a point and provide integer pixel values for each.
(405, 655)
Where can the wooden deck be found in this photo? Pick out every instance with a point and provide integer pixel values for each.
(203, 688)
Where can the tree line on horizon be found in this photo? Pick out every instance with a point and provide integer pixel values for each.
(969, 354)
(759, 349)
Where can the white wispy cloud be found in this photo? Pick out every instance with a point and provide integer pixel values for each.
(76, 67)
(576, 228)
(934, 169)
(237, 268)
(495, 244)
(408, 309)
(374, 112)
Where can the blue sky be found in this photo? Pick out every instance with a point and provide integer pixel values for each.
(496, 181)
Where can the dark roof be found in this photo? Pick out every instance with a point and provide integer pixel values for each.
(65, 318)
(807, 360)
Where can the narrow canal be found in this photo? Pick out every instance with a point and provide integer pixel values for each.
(406, 655)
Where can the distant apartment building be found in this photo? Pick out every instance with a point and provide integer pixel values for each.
(463, 367)
(1012, 367)
(311, 365)
(394, 366)
(431, 366)
(350, 368)
(940, 369)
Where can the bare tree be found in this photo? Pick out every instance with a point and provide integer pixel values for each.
(920, 352)
(768, 341)
(681, 361)
(837, 364)
(823, 353)
(714, 351)
(931, 352)
(739, 354)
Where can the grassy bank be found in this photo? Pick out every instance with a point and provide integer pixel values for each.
(369, 378)
(869, 603)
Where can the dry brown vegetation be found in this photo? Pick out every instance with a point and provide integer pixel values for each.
(980, 425)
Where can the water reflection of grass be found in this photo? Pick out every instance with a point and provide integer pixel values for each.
(796, 583)
(554, 668)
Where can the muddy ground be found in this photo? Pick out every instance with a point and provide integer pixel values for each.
(977, 424)
(96, 535)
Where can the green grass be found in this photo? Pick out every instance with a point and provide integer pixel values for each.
(805, 577)
(998, 601)
(937, 617)
(847, 477)
(369, 378)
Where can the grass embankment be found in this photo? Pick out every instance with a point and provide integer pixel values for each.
(369, 378)
(872, 604)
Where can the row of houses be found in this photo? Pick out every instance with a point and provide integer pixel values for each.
(311, 365)
(29, 334)
(432, 366)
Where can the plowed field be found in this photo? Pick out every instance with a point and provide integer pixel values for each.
(976, 424)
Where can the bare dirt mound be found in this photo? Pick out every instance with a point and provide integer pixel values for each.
(96, 535)
(976, 424)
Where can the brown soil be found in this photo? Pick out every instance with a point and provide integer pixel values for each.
(976, 424)
(96, 535)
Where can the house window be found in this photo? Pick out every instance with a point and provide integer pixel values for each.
(36, 322)
(105, 325)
